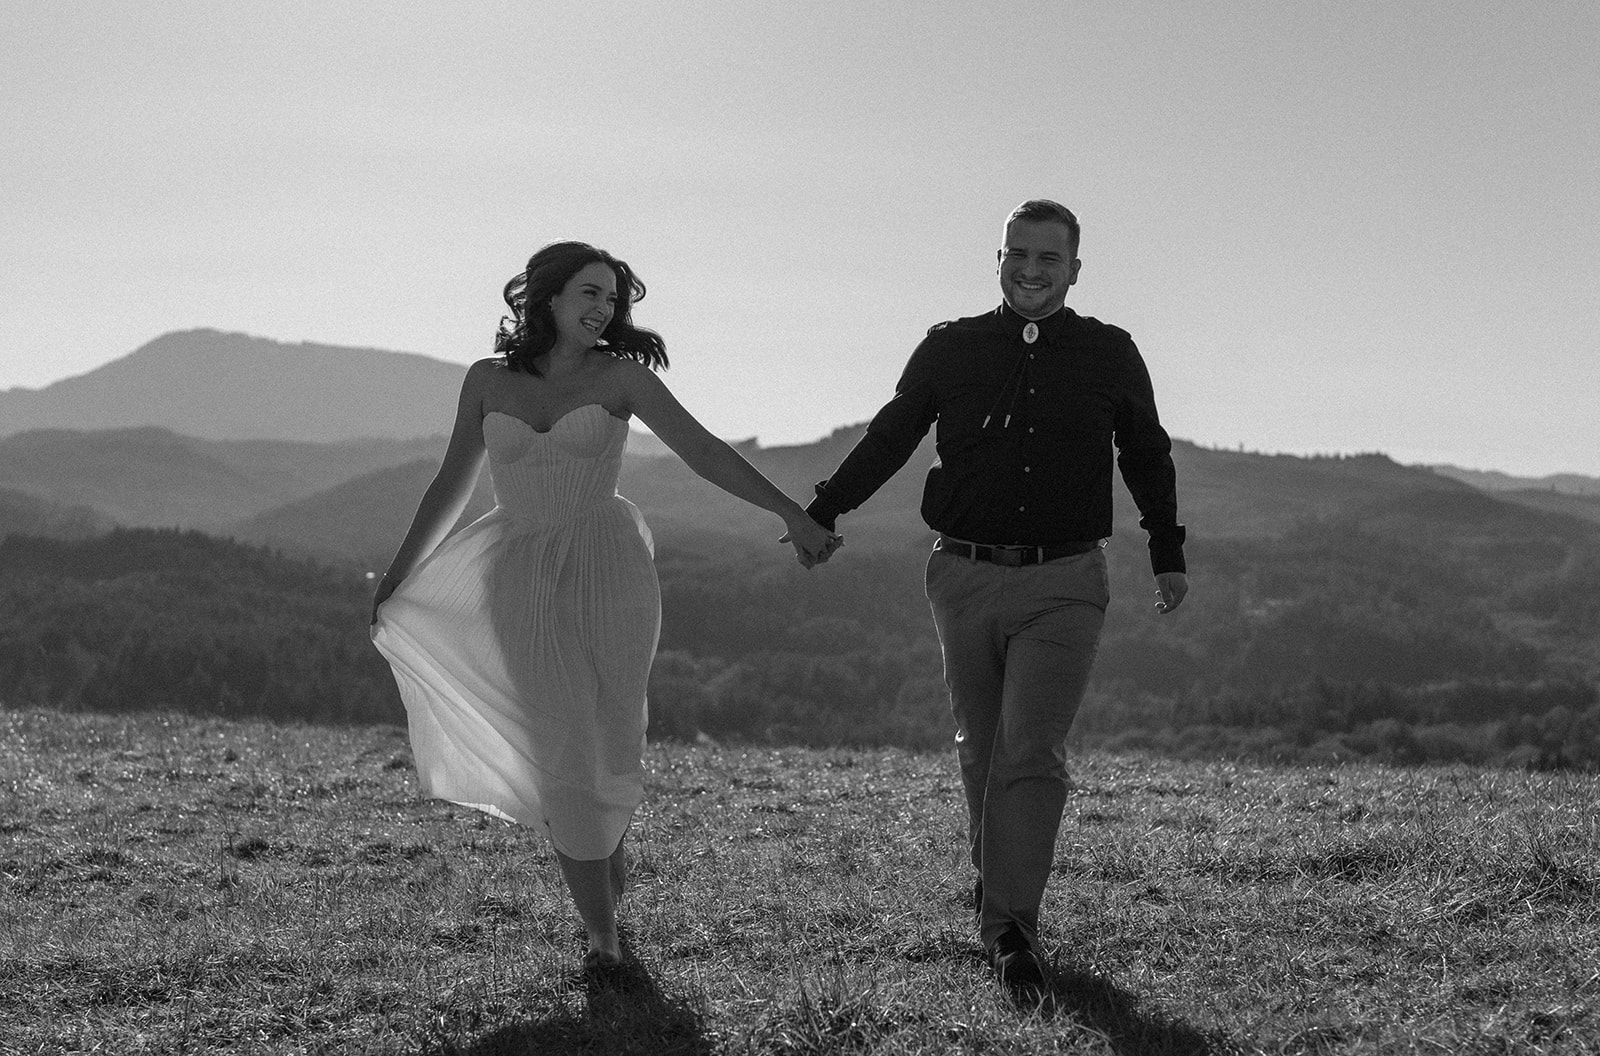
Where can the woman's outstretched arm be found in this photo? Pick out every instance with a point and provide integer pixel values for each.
(452, 486)
(650, 399)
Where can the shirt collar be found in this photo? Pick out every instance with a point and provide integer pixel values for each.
(1051, 326)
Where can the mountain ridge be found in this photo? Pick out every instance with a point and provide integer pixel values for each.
(216, 384)
(281, 491)
(288, 466)
(221, 385)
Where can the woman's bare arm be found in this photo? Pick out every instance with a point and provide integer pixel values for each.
(712, 458)
(452, 485)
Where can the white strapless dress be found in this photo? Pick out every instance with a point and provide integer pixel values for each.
(522, 645)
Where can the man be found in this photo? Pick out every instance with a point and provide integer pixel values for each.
(1029, 400)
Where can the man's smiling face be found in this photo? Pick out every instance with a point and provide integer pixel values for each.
(1038, 264)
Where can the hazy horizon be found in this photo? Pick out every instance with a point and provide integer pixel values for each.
(767, 443)
(1366, 227)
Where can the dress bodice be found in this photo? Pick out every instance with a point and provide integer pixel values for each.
(556, 475)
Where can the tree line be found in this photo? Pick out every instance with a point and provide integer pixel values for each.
(1323, 644)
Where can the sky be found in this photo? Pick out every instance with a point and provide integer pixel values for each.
(1331, 227)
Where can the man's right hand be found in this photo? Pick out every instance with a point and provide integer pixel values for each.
(1171, 587)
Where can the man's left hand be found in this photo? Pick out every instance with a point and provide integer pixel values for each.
(1171, 586)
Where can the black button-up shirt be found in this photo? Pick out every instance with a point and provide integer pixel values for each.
(1025, 436)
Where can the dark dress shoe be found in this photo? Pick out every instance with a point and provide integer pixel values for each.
(1014, 962)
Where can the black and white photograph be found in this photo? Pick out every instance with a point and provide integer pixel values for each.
(752, 529)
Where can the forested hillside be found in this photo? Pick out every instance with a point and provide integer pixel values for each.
(147, 618)
(1335, 641)
(27, 514)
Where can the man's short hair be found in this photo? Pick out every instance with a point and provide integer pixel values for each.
(1037, 210)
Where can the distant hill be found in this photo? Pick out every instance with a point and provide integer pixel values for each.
(1574, 505)
(1494, 480)
(1223, 494)
(24, 514)
(1236, 494)
(352, 499)
(152, 476)
(1570, 493)
(677, 502)
(228, 386)
(362, 519)
(280, 404)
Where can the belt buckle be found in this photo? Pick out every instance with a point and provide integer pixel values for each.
(1009, 556)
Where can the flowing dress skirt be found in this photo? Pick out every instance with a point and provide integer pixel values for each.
(522, 651)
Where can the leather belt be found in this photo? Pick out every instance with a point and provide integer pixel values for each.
(1013, 556)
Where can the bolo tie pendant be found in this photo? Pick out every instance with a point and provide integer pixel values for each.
(1030, 334)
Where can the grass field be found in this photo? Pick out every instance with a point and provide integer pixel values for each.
(176, 885)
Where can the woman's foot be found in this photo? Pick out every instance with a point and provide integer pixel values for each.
(594, 884)
(605, 950)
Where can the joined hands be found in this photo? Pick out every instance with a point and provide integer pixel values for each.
(813, 544)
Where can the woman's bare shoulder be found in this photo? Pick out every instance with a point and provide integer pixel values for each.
(485, 373)
(482, 379)
(623, 371)
(623, 384)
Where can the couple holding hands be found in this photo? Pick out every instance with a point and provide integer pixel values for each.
(522, 643)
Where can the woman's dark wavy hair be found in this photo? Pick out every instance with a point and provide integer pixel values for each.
(530, 330)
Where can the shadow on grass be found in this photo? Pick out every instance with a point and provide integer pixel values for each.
(624, 1012)
(1102, 1006)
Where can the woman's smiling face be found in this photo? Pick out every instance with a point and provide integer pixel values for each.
(585, 305)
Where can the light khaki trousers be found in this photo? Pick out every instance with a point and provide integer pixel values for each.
(1018, 645)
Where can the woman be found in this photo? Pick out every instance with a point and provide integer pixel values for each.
(522, 646)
